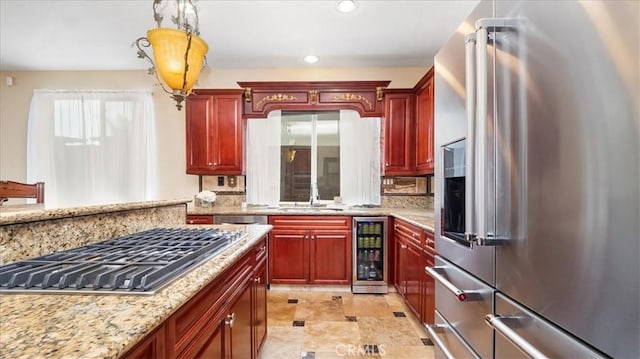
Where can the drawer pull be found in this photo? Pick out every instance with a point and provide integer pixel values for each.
(500, 324)
(257, 280)
(230, 319)
(462, 295)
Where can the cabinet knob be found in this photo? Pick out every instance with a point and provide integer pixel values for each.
(257, 280)
(387, 164)
(210, 164)
(429, 160)
(402, 246)
(415, 235)
(230, 319)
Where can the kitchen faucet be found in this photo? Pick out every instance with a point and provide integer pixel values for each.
(313, 200)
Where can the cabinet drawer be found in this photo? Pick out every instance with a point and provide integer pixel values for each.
(310, 222)
(199, 219)
(206, 305)
(260, 250)
(429, 241)
(409, 231)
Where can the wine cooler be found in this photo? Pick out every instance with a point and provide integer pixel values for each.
(369, 255)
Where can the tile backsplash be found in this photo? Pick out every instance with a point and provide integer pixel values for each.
(225, 184)
(404, 201)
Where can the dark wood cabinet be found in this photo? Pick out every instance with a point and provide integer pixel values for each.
(414, 249)
(288, 256)
(199, 219)
(260, 297)
(310, 250)
(428, 283)
(399, 129)
(330, 257)
(239, 322)
(214, 132)
(150, 347)
(408, 268)
(365, 97)
(226, 319)
(425, 124)
(409, 129)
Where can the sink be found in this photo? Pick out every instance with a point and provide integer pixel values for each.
(310, 209)
(299, 209)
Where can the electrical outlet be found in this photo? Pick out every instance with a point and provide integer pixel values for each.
(220, 181)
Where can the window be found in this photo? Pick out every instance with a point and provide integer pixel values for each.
(92, 147)
(310, 156)
(288, 151)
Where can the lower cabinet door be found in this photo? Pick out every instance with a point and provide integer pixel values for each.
(399, 262)
(260, 307)
(330, 257)
(413, 277)
(288, 257)
(212, 348)
(238, 323)
(428, 290)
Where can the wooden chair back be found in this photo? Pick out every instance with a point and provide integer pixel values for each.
(11, 189)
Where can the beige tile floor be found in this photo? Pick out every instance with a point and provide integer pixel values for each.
(338, 324)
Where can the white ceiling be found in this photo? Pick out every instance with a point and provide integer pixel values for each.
(97, 35)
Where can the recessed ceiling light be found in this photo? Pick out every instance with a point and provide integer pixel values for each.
(311, 59)
(346, 5)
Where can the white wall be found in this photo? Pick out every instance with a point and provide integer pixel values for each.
(173, 182)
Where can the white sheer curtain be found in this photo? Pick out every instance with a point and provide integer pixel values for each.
(263, 160)
(92, 147)
(359, 159)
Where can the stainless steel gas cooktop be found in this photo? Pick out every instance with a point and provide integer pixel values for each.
(139, 263)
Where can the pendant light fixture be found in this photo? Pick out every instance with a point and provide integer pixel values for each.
(179, 53)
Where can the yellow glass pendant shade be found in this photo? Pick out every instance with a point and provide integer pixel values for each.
(169, 48)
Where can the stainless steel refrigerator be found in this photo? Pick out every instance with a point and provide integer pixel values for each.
(370, 255)
(537, 182)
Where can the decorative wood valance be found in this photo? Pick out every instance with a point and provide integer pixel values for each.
(365, 97)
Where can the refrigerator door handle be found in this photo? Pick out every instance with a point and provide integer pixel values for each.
(485, 208)
(501, 325)
(470, 86)
(461, 295)
(481, 121)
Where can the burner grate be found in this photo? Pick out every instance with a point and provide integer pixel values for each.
(138, 263)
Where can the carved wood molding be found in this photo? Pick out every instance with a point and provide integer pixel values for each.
(365, 97)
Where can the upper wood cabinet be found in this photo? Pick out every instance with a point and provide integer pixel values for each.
(399, 124)
(409, 129)
(215, 132)
(424, 124)
(365, 97)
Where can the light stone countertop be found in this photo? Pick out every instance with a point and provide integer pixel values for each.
(103, 326)
(12, 214)
(420, 217)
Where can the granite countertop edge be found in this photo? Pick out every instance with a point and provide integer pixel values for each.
(8, 217)
(420, 217)
(104, 326)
